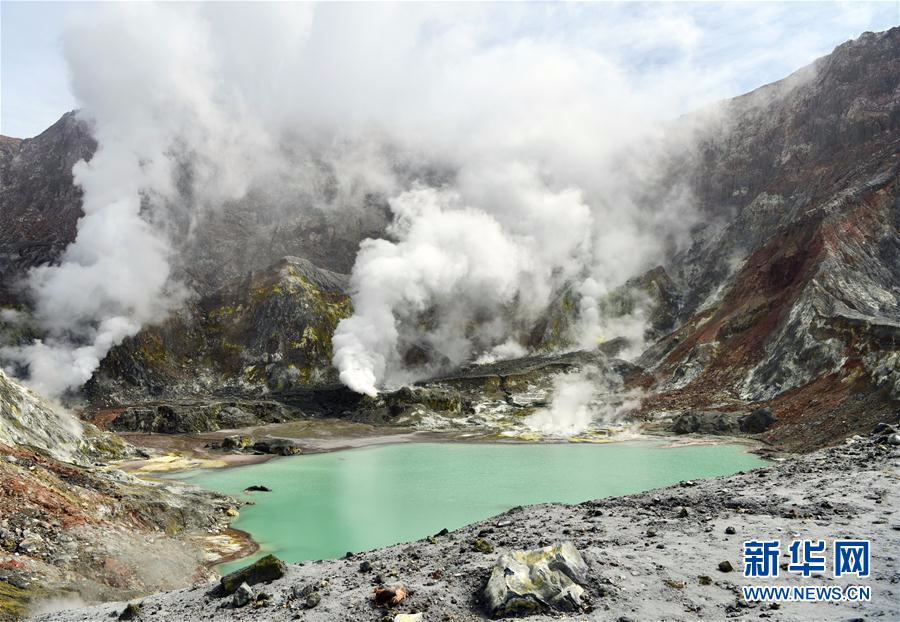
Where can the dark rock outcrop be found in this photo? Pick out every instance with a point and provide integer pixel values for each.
(715, 423)
(694, 422)
(757, 422)
(192, 417)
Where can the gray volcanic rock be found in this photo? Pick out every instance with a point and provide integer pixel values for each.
(242, 595)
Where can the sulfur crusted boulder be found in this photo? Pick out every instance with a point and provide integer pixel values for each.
(536, 581)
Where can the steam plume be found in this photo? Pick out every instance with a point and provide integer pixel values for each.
(510, 154)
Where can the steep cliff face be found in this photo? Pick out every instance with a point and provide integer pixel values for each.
(268, 332)
(794, 300)
(809, 325)
(39, 201)
(789, 295)
(769, 158)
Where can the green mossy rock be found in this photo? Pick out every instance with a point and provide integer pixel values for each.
(269, 332)
(263, 570)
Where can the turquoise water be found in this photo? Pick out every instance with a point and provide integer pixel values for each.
(323, 505)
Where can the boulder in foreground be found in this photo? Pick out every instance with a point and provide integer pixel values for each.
(263, 570)
(536, 581)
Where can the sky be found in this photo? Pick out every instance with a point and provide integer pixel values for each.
(740, 45)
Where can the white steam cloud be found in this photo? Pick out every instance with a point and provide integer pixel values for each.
(582, 399)
(542, 140)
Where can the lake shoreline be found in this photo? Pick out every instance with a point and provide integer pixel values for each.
(651, 555)
(180, 454)
(628, 450)
(175, 453)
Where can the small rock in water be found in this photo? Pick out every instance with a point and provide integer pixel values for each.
(257, 488)
(725, 566)
(528, 582)
(242, 595)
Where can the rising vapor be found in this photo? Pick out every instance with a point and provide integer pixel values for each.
(510, 157)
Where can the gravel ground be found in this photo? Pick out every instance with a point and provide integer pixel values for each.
(649, 554)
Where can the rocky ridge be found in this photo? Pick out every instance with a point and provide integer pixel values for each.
(73, 529)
